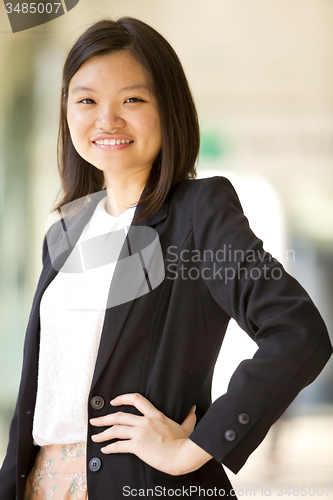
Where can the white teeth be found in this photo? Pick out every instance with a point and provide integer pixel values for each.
(113, 142)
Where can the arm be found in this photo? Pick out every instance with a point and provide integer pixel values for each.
(277, 314)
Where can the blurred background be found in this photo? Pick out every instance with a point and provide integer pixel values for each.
(261, 73)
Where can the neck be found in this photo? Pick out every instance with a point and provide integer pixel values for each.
(123, 191)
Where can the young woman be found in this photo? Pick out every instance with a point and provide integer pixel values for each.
(134, 298)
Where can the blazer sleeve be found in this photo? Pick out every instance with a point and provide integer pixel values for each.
(8, 470)
(274, 310)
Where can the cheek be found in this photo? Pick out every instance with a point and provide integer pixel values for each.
(158, 132)
(156, 124)
(77, 123)
(146, 120)
(151, 126)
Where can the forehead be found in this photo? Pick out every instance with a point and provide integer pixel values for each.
(114, 69)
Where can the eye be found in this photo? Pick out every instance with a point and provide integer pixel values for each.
(86, 99)
(134, 99)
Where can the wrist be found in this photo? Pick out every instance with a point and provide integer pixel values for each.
(191, 457)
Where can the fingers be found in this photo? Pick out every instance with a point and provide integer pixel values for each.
(124, 426)
(118, 447)
(115, 432)
(116, 418)
(141, 403)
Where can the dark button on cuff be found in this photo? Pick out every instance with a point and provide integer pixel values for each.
(230, 435)
(95, 464)
(97, 402)
(243, 418)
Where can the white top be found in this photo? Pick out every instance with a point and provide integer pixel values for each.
(72, 313)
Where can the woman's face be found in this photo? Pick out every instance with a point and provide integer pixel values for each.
(112, 114)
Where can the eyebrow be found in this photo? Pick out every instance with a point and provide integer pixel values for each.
(132, 87)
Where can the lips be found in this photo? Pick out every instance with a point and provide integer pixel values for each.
(113, 142)
(114, 139)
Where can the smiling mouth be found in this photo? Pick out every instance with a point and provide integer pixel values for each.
(112, 142)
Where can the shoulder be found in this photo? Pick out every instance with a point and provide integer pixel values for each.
(194, 185)
(206, 194)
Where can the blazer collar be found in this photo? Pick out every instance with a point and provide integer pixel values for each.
(156, 217)
(152, 220)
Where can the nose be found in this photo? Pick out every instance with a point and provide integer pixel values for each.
(109, 118)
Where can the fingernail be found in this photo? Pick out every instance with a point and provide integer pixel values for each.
(194, 408)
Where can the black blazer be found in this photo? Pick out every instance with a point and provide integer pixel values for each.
(164, 345)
